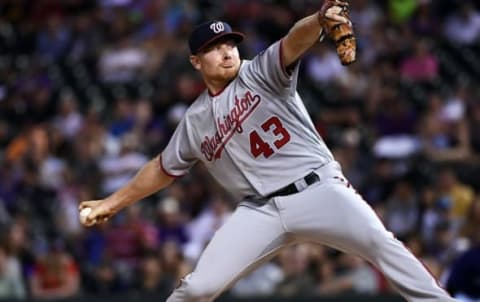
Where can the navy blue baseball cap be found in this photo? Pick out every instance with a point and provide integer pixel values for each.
(209, 32)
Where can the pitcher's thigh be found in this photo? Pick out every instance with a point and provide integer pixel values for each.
(247, 239)
(335, 215)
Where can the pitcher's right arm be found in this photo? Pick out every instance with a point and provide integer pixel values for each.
(149, 179)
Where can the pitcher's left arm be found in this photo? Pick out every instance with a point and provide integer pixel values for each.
(307, 31)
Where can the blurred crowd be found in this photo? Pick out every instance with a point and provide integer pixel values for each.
(91, 90)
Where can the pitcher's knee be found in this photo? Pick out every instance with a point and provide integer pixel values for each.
(377, 239)
(201, 290)
(194, 289)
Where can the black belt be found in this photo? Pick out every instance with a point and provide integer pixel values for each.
(292, 188)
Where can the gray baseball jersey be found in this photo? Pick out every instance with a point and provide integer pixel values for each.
(255, 136)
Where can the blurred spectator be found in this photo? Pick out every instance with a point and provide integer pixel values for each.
(455, 107)
(67, 215)
(118, 169)
(170, 222)
(365, 15)
(463, 26)
(68, 120)
(261, 282)
(401, 10)
(55, 274)
(93, 142)
(32, 197)
(187, 89)
(54, 40)
(11, 282)
(357, 276)
(19, 243)
(426, 21)
(348, 157)
(86, 41)
(323, 66)
(471, 227)
(294, 262)
(443, 248)
(175, 114)
(395, 126)
(123, 62)
(473, 125)
(421, 66)
(375, 47)
(104, 280)
(464, 276)
(353, 85)
(402, 210)
(123, 117)
(380, 181)
(127, 239)
(202, 228)
(397, 118)
(435, 210)
(94, 248)
(174, 265)
(442, 141)
(461, 195)
(150, 128)
(151, 277)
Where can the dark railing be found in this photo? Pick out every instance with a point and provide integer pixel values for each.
(160, 298)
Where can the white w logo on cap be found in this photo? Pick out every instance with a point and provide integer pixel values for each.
(217, 27)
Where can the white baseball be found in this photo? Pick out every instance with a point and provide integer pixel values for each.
(84, 214)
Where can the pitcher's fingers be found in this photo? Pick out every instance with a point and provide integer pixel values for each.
(88, 204)
(339, 19)
(90, 221)
(342, 3)
(334, 10)
(333, 14)
(93, 215)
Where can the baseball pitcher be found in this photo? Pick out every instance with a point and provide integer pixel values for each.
(251, 130)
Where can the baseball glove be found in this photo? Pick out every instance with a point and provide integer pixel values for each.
(336, 24)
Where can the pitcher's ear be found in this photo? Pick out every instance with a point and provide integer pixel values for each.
(195, 62)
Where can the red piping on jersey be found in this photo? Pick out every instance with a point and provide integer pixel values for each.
(284, 68)
(165, 171)
(219, 92)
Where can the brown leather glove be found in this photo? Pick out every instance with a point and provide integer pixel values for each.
(335, 21)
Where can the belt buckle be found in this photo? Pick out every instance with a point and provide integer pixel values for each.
(301, 184)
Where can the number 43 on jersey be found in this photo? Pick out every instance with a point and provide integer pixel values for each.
(258, 146)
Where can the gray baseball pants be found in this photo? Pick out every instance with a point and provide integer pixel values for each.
(328, 212)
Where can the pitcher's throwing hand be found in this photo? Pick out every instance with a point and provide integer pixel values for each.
(99, 212)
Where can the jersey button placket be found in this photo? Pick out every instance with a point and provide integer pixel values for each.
(218, 114)
(215, 111)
